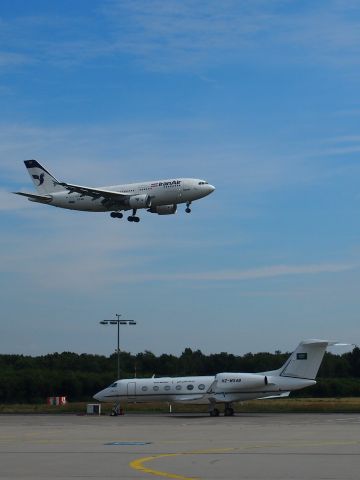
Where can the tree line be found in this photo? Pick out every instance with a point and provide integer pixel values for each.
(27, 379)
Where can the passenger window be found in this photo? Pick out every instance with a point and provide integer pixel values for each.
(178, 387)
(156, 388)
(190, 387)
(167, 387)
(201, 386)
(144, 389)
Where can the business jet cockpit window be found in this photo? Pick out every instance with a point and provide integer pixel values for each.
(113, 385)
(203, 183)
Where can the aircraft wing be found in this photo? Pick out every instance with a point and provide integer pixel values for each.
(189, 398)
(95, 193)
(281, 395)
(36, 198)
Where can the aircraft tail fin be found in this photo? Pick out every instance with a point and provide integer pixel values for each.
(44, 182)
(305, 361)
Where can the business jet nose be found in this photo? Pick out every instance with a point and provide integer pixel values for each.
(211, 188)
(97, 396)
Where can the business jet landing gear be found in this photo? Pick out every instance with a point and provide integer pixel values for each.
(228, 411)
(133, 218)
(116, 215)
(214, 412)
(188, 209)
(116, 410)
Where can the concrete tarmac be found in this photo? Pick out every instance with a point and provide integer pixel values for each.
(134, 446)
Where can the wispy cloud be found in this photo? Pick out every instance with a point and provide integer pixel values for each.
(258, 273)
(178, 35)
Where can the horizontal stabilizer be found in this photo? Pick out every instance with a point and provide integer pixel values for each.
(35, 198)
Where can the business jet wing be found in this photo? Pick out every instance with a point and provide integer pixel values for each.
(281, 395)
(189, 398)
(95, 193)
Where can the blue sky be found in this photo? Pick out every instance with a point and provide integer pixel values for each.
(258, 97)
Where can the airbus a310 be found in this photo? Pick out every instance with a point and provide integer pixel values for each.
(299, 371)
(157, 196)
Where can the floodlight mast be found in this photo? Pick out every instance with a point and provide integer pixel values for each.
(118, 322)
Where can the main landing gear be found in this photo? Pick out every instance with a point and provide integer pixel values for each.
(188, 209)
(116, 215)
(228, 410)
(133, 218)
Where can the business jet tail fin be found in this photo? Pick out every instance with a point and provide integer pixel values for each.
(44, 182)
(305, 361)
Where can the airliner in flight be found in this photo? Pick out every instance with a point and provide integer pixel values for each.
(299, 371)
(158, 196)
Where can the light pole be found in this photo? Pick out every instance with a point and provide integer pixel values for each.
(118, 322)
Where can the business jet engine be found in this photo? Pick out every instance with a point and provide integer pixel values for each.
(227, 382)
(164, 209)
(140, 201)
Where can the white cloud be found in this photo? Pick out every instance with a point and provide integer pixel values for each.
(178, 35)
(249, 274)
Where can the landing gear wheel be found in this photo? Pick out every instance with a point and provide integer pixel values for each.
(214, 413)
(131, 218)
(136, 219)
(228, 412)
(188, 210)
(116, 215)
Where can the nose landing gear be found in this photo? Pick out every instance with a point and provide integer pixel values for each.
(188, 209)
(133, 218)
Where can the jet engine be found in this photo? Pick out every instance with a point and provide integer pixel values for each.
(140, 201)
(164, 209)
(227, 382)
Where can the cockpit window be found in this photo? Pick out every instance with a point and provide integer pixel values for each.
(203, 183)
(113, 385)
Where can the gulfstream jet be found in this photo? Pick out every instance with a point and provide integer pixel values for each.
(299, 371)
(158, 196)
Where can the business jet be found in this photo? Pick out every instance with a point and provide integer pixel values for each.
(158, 196)
(299, 371)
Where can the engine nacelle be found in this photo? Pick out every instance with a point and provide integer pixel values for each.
(227, 382)
(164, 209)
(140, 201)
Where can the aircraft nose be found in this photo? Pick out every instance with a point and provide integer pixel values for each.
(97, 396)
(211, 188)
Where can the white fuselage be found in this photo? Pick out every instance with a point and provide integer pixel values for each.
(161, 192)
(199, 389)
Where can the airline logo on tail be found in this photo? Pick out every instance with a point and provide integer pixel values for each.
(40, 178)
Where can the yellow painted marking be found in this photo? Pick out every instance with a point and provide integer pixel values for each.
(139, 463)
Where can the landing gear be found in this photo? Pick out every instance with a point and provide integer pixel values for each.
(214, 412)
(116, 215)
(188, 209)
(228, 411)
(133, 218)
(115, 411)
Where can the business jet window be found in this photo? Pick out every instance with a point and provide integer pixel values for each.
(113, 385)
(167, 387)
(190, 387)
(201, 386)
(144, 389)
(156, 388)
(178, 387)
